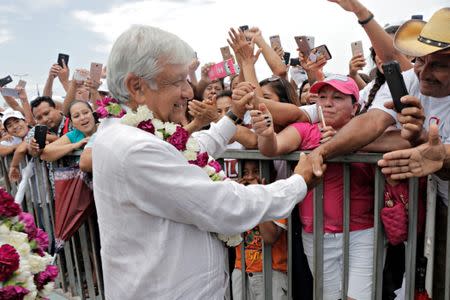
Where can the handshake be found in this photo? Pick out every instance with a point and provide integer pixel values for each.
(244, 99)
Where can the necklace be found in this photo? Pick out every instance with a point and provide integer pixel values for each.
(178, 137)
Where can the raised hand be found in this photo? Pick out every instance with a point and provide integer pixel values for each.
(204, 72)
(415, 162)
(54, 70)
(262, 122)
(411, 118)
(357, 63)
(241, 47)
(64, 72)
(243, 96)
(203, 112)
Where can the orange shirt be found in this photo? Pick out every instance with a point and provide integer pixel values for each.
(253, 250)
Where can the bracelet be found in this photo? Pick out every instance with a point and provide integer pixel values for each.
(236, 120)
(365, 21)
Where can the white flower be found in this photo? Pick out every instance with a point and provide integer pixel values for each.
(209, 170)
(159, 134)
(47, 289)
(130, 119)
(143, 113)
(190, 155)
(158, 124)
(192, 145)
(16, 239)
(38, 264)
(230, 240)
(170, 127)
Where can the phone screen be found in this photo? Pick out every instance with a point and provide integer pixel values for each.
(61, 57)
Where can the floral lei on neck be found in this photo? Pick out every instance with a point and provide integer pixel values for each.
(178, 137)
(109, 107)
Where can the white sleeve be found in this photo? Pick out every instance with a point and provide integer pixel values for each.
(311, 112)
(161, 183)
(216, 138)
(383, 95)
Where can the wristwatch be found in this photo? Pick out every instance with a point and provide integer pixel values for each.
(236, 120)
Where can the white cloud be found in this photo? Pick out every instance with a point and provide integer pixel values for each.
(5, 36)
(204, 24)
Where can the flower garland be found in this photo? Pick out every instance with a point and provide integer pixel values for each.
(177, 136)
(25, 266)
(109, 107)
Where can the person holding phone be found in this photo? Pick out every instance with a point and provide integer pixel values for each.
(84, 125)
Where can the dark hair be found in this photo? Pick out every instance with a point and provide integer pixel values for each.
(282, 88)
(36, 102)
(224, 93)
(300, 90)
(379, 81)
(69, 115)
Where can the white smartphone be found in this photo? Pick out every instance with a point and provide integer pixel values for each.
(81, 75)
(311, 41)
(357, 48)
(8, 92)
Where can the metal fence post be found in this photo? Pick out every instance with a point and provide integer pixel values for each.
(318, 242)
(411, 245)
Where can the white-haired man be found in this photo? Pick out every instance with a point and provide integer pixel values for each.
(156, 211)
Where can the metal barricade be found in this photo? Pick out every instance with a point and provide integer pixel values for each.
(79, 263)
(379, 239)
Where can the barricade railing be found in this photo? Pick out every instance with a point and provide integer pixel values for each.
(379, 238)
(79, 263)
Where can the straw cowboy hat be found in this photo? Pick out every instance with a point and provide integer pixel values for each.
(418, 38)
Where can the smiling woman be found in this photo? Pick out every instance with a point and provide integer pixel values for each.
(84, 123)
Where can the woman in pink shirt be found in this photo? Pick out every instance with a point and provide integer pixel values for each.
(338, 98)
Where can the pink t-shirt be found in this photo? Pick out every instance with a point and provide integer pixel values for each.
(361, 190)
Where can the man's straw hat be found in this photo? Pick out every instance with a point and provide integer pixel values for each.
(418, 38)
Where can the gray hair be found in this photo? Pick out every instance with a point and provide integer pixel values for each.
(143, 50)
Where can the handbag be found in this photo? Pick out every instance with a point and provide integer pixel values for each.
(394, 216)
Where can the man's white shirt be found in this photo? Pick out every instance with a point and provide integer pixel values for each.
(156, 213)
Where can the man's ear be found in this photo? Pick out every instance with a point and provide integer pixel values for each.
(133, 84)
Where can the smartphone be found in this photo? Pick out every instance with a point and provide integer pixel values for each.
(318, 51)
(61, 57)
(81, 75)
(302, 43)
(226, 53)
(417, 17)
(275, 41)
(22, 83)
(4, 81)
(286, 57)
(357, 48)
(10, 92)
(311, 41)
(40, 135)
(244, 28)
(295, 62)
(395, 82)
(96, 72)
(223, 69)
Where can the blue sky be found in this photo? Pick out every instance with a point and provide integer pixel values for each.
(33, 32)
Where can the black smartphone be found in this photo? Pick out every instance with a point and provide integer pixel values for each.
(395, 82)
(244, 28)
(295, 62)
(61, 57)
(286, 57)
(40, 135)
(4, 81)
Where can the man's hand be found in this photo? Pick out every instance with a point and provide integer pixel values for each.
(14, 173)
(64, 73)
(415, 162)
(242, 98)
(54, 71)
(255, 34)
(204, 73)
(33, 148)
(304, 168)
(262, 122)
(411, 118)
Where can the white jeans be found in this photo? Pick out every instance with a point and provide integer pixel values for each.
(255, 285)
(360, 267)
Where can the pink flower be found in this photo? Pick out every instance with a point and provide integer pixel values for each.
(45, 277)
(147, 126)
(101, 112)
(8, 208)
(179, 138)
(42, 239)
(30, 227)
(13, 292)
(201, 161)
(215, 165)
(9, 262)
